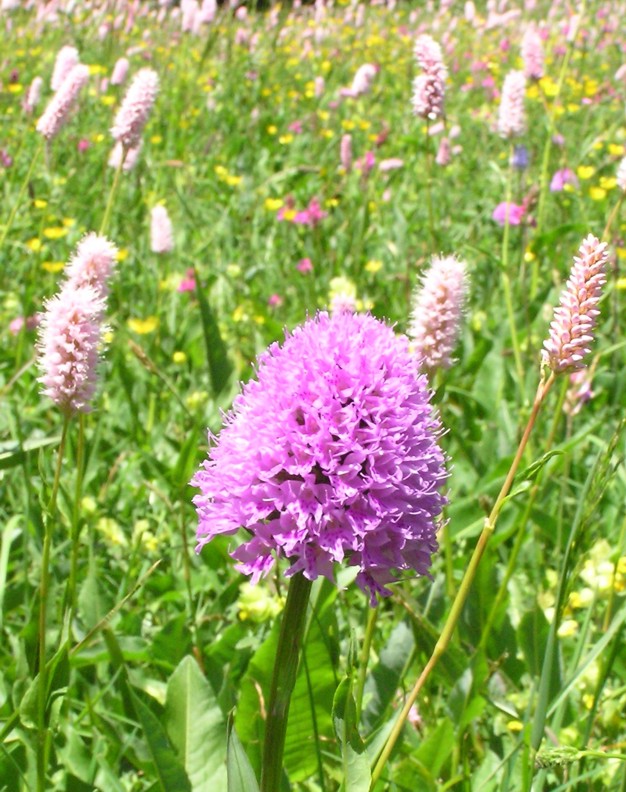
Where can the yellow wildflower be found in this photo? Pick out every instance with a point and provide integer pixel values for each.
(273, 204)
(53, 266)
(34, 245)
(143, 326)
(597, 193)
(373, 266)
(179, 357)
(585, 171)
(55, 233)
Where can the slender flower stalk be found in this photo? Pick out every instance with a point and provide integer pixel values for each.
(566, 347)
(13, 214)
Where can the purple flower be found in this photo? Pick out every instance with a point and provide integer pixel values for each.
(519, 160)
(561, 178)
(329, 455)
(515, 213)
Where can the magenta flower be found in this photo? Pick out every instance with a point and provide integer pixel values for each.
(188, 283)
(58, 109)
(330, 455)
(514, 211)
(312, 215)
(304, 265)
(69, 336)
(561, 178)
(571, 330)
(135, 109)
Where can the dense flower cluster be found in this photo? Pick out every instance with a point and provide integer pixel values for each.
(161, 231)
(437, 309)
(58, 109)
(92, 264)
(511, 116)
(68, 348)
(429, 87)
(329, 455)
(135, 109)
(571, 330)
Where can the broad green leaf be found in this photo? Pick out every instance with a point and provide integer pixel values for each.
(58, 671)
(12, 454)
(382, 684)
(355, 761)
(241, 776)
(170, 773)
(196, 727)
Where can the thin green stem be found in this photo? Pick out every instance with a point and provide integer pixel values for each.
(43, 602)
(372, 617)
(464, 589)
(506, 281)
(113, 192)
(283, 681)
(545, 161)
(20, 195)
(429, 189)
(612, 216)
(75, 527)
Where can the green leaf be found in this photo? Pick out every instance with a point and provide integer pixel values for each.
(356, 763)
(58, 669)
(220, 367)
(241, 776)
(382, 684)
(171, 775)
(196, 727)
(12, 454)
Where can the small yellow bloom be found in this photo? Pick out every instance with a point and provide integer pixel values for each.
(323, 115)
(585, 171)
(259, 319)
(52, 266)
(529, 256)
(239, 314)
(289, 214)
(95, 68)
(567, 628)
(588, 700)
(196, 399)
(179, 357)
(107, 100)
(272, 129)
(107, 336)
(597, 193)
(34, 245)
(331, 202)
(348, 124)
(608, 182)
(122, 254)
(532, 92)
(98, 137)
(364, 125)
(621, 283)
(143, 326)
(15, 88)
(40, 203)
(55, 233)
(616, 149)
(327, 133)
(285, 139)
(621, 253)
(233, 181)
(156, 139)
(111, 530)
(273, 204)
(515, 726)
(373, 266)
(549, 86)
(233, 270)
(68, 222)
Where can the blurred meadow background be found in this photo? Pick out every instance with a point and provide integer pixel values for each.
(296, 180)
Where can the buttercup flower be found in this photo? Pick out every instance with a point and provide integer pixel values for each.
(571, 330)
(329, 455)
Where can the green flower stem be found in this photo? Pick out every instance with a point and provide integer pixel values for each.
(612, 216)
(372, 617)
(464, 589)
(283, 681)
(429, 188)
(506, 281)
(20, 195)
(543, 179)
(75, 528)
(113, 192)
(43, 601)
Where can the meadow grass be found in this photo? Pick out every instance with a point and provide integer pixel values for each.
(158, 660)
